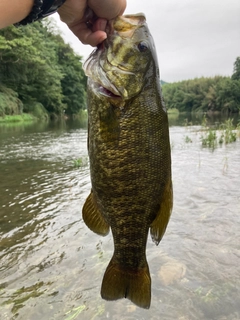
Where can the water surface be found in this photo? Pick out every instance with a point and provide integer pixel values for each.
(51, 264)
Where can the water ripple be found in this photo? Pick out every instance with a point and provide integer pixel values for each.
(51, 265)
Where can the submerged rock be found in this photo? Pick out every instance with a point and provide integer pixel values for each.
(171, 271)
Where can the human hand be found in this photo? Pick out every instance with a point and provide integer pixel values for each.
(76, 14)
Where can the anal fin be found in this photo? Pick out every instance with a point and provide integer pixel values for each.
(93, 217)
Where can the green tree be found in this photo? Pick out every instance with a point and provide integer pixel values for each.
(228, 96)
(204, 94)
(74, 80)
(236, 69)
(41, 68)
(30, 66)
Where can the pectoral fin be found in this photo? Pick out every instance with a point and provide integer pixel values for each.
(159, 224)
(93, 217)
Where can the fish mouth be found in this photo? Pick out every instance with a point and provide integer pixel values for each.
(97, 78)
(97, 68)
(98, 88)
(104, 75)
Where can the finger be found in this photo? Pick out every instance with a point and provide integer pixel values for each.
(87, 36)
(95, 38)
(99, 24)
(107, 9)
(72, 11)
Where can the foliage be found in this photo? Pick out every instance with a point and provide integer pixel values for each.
(220, 94)
(37, 110)
(73, 81)
(229, 132)
(17, 118)
(41, 69)
(236, 70)
(209, 139)
(9, 102)
(224, 134)
(188, 139)
(173, 111)
(80, 162)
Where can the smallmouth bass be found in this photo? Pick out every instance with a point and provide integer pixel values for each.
(129, 152)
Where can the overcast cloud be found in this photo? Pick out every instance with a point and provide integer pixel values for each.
(194, 38)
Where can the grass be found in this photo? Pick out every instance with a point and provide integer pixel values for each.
(188, 139)
(209, 139)
(229, 133)
(9, 102)
(224, 133)
(80, 162)
(75, 312)
(173, 111)
(216, 135)
(17, 118)
(187, 123)
(37, 110)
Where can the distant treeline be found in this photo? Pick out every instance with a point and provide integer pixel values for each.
(39, 72)
(221, 94)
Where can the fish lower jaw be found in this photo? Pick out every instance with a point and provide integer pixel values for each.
(107, 92)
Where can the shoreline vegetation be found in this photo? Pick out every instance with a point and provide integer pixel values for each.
(41, 77)
(205, 95)
(24, 117)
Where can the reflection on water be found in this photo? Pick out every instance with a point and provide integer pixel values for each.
(51, 265)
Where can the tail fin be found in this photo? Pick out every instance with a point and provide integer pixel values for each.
(124, 283)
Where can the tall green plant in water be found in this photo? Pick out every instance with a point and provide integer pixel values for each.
(223, 134)
(209, 137)
(229, 132)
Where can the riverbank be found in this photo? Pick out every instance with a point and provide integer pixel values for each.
(29, 118)
(18, 118)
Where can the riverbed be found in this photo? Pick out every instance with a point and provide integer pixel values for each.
(51, 264)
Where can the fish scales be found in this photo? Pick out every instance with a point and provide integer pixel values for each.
(129, 152)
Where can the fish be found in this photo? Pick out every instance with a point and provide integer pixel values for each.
(129, 155)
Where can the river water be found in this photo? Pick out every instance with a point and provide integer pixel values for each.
(51, 264)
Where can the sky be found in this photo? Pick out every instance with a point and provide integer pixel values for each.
(194, 38)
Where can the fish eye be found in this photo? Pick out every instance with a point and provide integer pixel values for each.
(142, 47)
